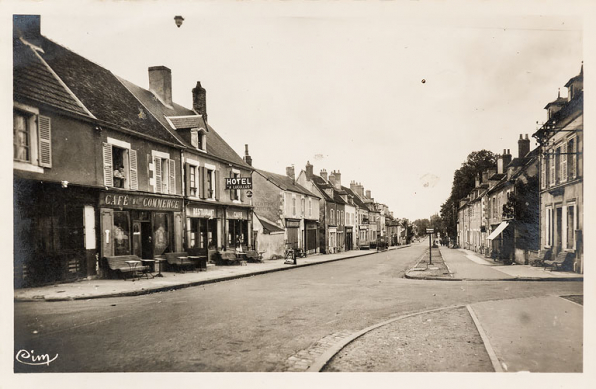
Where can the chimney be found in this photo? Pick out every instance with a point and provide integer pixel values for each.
(199, 100)
(360, 190)
(337, 182)
(247, 158)
(523, 146)
(324, 174)
(354, 187)
(485, 176)
(160, 83)
(28, 27)
(309, 170)
(368, 194)
(477, 181)
(507, 159)
(290, 173)
(332, 178)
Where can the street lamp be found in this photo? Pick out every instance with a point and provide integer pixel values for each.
(178, 19)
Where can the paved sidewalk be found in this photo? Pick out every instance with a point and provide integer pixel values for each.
(468, 265)
(537, 334)
(98, 288)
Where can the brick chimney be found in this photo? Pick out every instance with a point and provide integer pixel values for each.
(247, 158)
(523, 146)
(337, 181)
(354, 187)
(28, 27)
(309, 170)
(160, 83)
(199, 100)
(503, 161)
(290, 173)
(368, 194)
(332, 178)
(324, 174)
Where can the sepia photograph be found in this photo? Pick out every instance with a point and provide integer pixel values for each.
(377, 187)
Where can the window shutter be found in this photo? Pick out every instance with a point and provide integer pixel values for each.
(134, 177)
(187, 168)
(157, 167)
(45, 141)
(564, 162)
(108, 171)
(216, 185)
(543, 173)
(172, 176)
(203, 178)
(552, 158)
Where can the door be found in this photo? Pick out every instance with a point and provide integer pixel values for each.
(146, 241)
(293, 237)
(559, 231)
(137, 245)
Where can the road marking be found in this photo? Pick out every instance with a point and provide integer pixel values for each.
(489, 349)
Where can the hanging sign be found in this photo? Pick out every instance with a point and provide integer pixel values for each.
(238, 182)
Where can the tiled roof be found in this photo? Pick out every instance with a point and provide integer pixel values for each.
(180, 122)
(33, 80)
(285, 183)
(102, 93)
(357, 199)
(559, 101)
(216, 146)
(321, 184)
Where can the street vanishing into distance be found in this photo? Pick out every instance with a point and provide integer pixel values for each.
(253, 324)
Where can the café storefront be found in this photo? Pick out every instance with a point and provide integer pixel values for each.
(202, 225)
(143, 225)
(238, 227)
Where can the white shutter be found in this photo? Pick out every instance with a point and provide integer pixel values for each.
(108, 171)
(172, 166)
(551, 156)
(45, 141)
(543, 173)
(134, 177)
(157, 167)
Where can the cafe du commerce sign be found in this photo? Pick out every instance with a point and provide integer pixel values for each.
(238, 182)
(139, 202)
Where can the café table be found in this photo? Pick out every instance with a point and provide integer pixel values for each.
(149, 263)
(133, 266)
(201, 261)
(158, 262)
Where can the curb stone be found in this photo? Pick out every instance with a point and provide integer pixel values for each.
(190, 284)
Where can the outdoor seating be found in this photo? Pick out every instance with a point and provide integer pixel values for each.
(126, 264)
(562, 261)
(180, 260)
(253, 256)
(230, 258)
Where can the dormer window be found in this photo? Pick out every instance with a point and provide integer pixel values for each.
(198, 138)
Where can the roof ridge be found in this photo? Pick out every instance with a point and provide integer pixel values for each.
(60, 81)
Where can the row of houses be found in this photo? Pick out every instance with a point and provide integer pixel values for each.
(103, 167)
(531, 206)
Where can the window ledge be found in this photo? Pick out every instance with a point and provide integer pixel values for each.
(27, 167)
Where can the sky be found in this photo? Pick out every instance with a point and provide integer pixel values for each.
(392, 94)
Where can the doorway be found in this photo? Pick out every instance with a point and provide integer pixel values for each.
(142, 239)
(559, 231)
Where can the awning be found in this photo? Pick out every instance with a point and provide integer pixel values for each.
(498, 230)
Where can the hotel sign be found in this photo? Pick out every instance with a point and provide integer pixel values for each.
(139, 202)
(238, 182)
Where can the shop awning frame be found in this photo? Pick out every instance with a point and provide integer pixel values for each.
(498, 230)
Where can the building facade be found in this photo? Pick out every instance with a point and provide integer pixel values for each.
(561, 174)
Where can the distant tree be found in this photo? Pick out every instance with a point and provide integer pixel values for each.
(421, 226)
(463, 182)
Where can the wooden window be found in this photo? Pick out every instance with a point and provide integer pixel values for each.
(563, 158)
(543, 174)
(21, 137)
(572, 159)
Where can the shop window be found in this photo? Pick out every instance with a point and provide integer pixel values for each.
(31, 139)
(121, 233)
(161, 233)
(237, 233)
